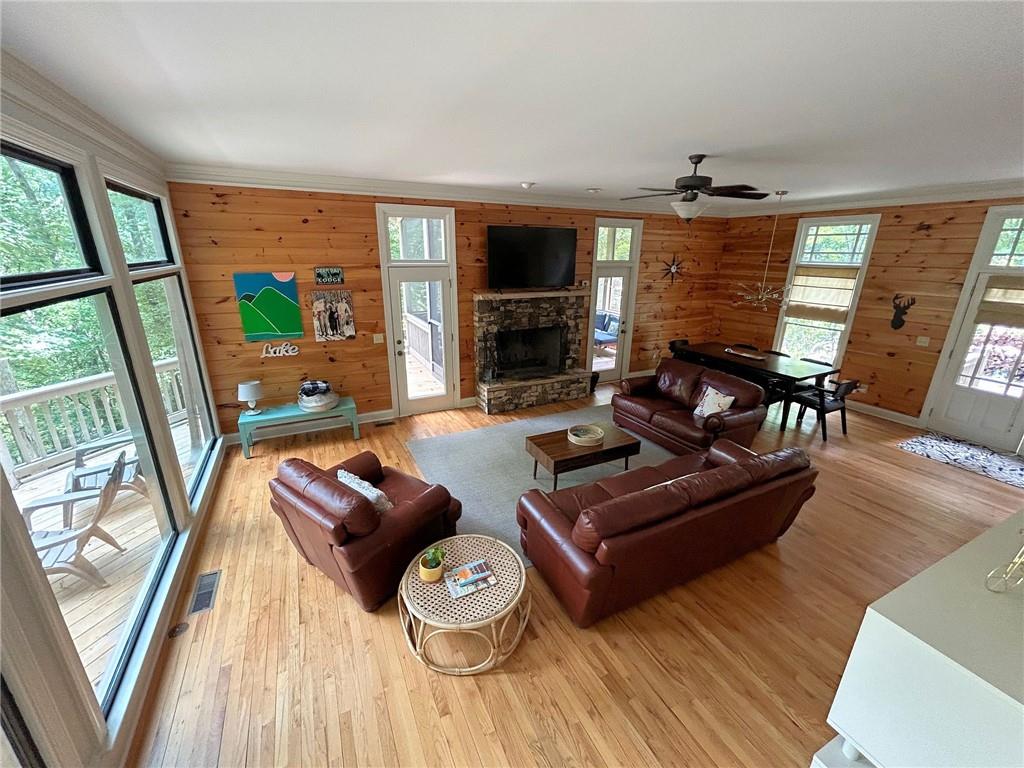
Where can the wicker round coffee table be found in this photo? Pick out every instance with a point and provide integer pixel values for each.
(497, 614)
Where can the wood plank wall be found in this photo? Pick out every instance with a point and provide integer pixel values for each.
(922, 251)
(227, 229)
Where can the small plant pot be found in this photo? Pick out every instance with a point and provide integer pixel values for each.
(430, 575)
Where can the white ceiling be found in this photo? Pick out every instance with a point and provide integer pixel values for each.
(829, 100)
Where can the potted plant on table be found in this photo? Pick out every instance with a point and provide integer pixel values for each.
(430, 564)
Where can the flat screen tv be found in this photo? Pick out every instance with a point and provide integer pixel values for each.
(531, 257)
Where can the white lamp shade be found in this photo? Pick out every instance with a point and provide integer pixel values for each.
(250, 391)
(690, 211)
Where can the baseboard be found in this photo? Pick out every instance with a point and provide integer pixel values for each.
(466, 402)
(232, 438)
(885, 413)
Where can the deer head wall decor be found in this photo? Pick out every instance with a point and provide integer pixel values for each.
(900, 307)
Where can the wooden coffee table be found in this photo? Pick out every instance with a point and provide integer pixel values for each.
(557, 455)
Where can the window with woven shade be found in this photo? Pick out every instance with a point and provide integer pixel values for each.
(824, 281)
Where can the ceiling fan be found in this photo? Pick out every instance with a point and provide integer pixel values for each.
(693, 185)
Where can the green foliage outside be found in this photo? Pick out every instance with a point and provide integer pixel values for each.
(620, 248)
(64, 341)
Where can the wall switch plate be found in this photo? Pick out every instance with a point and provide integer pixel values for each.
(378, 338)
(924, 341)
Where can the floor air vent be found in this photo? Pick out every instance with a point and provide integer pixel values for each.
(206, 591)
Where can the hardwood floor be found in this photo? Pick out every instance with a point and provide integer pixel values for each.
(737, 667)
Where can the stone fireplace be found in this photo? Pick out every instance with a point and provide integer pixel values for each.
(528, 348)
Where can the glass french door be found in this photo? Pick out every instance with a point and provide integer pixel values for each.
(418, 265)
(981, 393)
(616, 255)
(421, 350)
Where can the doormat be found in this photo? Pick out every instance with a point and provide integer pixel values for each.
(1005, 467)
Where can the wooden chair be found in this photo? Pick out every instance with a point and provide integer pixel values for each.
(824, 401)
(61, 551)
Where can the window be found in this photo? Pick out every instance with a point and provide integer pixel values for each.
(993, 360)
(613, 243)
(44, 232)
(169, 336)
(140, 225)
(824, 282)
(1009, 250)
(76, 453)
(416, 239)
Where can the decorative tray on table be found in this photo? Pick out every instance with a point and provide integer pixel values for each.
(585, 434)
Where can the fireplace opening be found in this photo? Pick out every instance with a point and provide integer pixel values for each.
(530, 352)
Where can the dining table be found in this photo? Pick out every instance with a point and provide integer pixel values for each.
(785, 372)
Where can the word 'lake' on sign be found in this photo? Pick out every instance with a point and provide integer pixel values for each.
(285, 349)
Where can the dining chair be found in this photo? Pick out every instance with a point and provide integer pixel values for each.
(745, 346)
(61, 551)
(824, 401)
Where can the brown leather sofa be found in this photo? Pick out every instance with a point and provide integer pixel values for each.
(340, 532)
(660, 407)
(605, 546)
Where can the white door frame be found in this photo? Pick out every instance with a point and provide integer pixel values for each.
(874, 219)
(979, 264)
(446, 269)
(629, 293)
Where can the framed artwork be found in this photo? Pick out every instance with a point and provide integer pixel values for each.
(333, 318)
(329, 275)
(268, 303)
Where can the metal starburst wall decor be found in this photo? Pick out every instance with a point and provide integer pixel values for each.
(762, 295)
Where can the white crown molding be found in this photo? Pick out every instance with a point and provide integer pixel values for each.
(311, 182)
(31, 99)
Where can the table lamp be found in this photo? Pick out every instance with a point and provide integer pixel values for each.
(249, 392)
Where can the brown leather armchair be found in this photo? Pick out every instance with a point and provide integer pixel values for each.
(607, 545)
(660, 407)
(340, 532)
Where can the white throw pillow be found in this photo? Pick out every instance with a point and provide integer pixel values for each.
(376, 496)
(712, 402)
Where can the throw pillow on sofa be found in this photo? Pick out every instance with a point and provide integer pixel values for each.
(713, 401)
(376, 496)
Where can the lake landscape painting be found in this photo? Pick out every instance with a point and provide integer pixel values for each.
(268, 303)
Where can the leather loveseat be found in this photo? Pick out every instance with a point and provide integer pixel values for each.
(660, 407)
(605, 546)
(340, 532)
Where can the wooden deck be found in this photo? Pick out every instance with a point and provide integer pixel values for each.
(96, 616)
(737, 667)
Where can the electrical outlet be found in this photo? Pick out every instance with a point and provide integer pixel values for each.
(924, 341)
(584, 283)
(378, 338)
(862, 389)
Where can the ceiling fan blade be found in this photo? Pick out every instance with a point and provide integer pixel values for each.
(742, 195)
(730, 188)
(657, 194)
(662, 189)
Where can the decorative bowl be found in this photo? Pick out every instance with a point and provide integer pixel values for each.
(585, 434)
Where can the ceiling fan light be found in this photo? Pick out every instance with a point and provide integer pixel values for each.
(688, 211)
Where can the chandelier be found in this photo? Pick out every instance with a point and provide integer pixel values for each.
(762, 295)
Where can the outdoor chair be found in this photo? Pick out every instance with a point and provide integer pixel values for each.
(61, 551)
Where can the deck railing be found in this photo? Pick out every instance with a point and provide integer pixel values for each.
(417, 338)
(42, 427)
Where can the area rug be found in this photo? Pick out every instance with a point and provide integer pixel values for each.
(488, 469)
(1007, 468)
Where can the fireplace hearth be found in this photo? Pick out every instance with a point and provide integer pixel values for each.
(529, 346)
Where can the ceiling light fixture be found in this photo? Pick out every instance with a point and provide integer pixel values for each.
(690, 206)
(761, 295)
(526, 184)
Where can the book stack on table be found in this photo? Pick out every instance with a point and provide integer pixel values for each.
(469, 578)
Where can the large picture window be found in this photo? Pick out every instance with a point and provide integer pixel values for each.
(830, 257)
(44, 233)
(77, 456)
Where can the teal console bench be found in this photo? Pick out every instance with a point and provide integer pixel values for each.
(291, 414)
